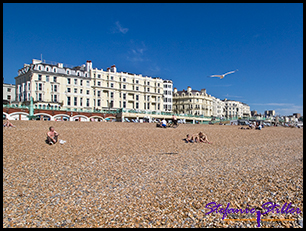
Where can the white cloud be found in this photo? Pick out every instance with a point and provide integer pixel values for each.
(289, 110)
(137, 53)
(120, 29)
(272, 104)
(282, 108)
(155, 68)
(232, 96)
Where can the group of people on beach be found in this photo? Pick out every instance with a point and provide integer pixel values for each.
(163, 123)
(254, 125)
(197, 138)
(52, 135)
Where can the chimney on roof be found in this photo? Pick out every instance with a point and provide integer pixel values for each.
(188, 89)
(88, 65)
(113, 68)
(175, 90)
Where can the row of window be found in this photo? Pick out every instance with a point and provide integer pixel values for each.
(167, 86)
(112, 95)
(99, 84)
(39, 97)
(39, 87)
(124, 80)
(75, 81)
(191, 106)
(167, 92)
(47, 78)
(45, 106)
(68, 72)
(75, 91)
(75, 101)
(189, 94)
(167, 107)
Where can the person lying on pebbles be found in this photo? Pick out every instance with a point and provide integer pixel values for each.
(8, 124)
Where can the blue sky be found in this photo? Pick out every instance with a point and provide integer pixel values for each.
(182, 42)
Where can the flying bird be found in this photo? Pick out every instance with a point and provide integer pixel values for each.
(222, 76)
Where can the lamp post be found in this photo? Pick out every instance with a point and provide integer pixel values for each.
(31, 110)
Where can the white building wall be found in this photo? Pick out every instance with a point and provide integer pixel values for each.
(9, 92)
(101, 89)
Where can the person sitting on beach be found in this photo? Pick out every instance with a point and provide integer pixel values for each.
(203, 138)
(258, 126)
(52, 136)
(8, 124)
(164, 123)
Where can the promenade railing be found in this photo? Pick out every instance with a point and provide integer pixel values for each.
(134, 111)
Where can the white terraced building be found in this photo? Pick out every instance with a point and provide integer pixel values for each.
(9, 93)
(85, 87)
(236, 109)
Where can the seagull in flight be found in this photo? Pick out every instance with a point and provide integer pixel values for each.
(222, 76)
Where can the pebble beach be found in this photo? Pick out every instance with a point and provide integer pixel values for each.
(136, 175)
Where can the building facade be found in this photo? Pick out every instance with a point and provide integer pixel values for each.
(116, 90)
(297, 115)
(236, 109)
(9, 93)
(269, 113)
(218, 108)
(54, 85)
(85, 87)
(167, 95)
(192, 102)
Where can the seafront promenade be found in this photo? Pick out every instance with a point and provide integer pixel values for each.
(45, 113)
